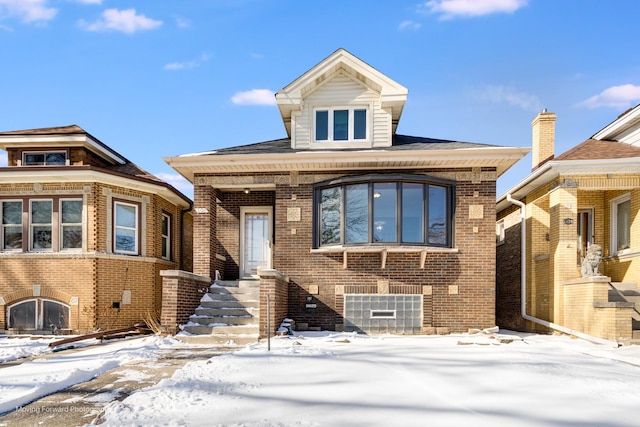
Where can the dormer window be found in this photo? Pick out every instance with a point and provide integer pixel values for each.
(340, 124)
(44, 158)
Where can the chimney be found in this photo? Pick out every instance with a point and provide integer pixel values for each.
(543, 131)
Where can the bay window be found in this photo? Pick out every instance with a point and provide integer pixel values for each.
(166, 236)
(11, 225)
(620, 224)
(399, 209)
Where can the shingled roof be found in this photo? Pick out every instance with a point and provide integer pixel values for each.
(593, 149)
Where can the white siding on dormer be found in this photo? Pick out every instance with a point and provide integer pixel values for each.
(341, 91)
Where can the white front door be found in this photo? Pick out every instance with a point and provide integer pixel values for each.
(255, 239)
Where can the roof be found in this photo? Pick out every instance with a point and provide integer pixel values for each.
(407, 152)
(75, 136)
(593, 149)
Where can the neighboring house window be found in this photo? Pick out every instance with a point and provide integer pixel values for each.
(621, 224)
(70, 224)
(383, 210)
(126, 228)
(52, 158)
(11, 225)
(39, 314)
(340, 124)
(166, 236)
(500, 232)
(40, 225)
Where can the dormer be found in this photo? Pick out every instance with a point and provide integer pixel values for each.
(57, 146)
(341, 103)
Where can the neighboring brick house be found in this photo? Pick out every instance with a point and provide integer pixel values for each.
(84, 234)
(587, 195)
(373, 231)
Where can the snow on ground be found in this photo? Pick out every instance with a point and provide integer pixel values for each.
(353, 380)
(331, 379)
(24, 383)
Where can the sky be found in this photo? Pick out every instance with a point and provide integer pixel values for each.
(328, 379)
(161, 78)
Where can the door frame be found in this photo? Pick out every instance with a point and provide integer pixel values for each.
(255, 210)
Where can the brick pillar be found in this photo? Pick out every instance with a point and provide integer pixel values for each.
(204, 230)
(563, 264)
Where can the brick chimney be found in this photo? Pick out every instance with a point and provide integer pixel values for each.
(543, 131)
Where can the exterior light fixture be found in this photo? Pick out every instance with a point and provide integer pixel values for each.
(247, 191)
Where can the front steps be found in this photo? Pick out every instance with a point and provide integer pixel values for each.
(630, 293)
(229, 313)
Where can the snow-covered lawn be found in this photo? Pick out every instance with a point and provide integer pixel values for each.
(330, 379)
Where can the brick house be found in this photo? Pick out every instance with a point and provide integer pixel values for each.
(84, 234)
(367, 229)
(588, 195)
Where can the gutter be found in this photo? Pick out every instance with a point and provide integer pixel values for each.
(523, 287)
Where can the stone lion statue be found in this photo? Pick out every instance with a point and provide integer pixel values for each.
(591, 262)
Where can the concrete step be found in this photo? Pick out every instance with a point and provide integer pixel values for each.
(231, 297)
(220, 320)
(231, 331)
(216, 290)
(625, 286)
(238, 283)
(226, 340)
(230, 304)
(222, 312)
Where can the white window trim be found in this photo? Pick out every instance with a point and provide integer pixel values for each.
(25, 153)
(167, 242)
(342, 143)
(3, 226)
(136, 228)
(613, 220)
(31, 225)
(82, 225)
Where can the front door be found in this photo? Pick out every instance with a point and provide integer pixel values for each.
(255, 239)
(585, 231)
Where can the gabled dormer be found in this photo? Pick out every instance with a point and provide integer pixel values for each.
(341, 103)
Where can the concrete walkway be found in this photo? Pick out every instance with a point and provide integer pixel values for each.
(83, 403)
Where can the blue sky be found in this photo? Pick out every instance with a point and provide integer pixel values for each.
(155, 78)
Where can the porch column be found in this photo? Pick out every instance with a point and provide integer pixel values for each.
(563, 261)
(204, 230)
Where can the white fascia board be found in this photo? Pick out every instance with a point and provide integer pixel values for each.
(628, 120)
(306, 160)
(88, 177)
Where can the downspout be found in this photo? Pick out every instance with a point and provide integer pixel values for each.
(523, 286)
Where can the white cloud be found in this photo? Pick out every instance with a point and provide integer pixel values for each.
(409, 25)
(622, 96)
(449, 9)
(254, 97)
(508, 95)
(177, 181)
(182, 22)
(126, 21)
(89, 1)
(27, 10)
(194, 63)
(3, 159)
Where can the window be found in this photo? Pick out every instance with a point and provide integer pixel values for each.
(340, 124)
(41, 229)
(38, 314)
(383, 210)
(49, 224)
(70, 224)
(126, 228)
(11, 225)
(166, 236)
(53, 158)
(620, 224)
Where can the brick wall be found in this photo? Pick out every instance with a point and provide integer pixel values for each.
(181, 295)
(274, 284)
(462, 282)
